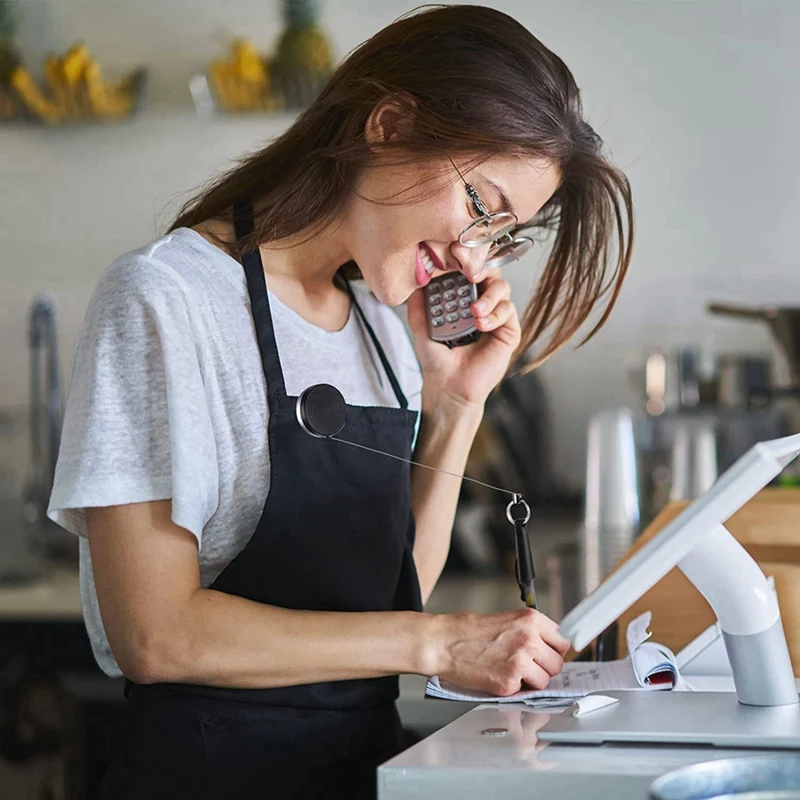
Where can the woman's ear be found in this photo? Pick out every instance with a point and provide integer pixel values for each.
(392, 120)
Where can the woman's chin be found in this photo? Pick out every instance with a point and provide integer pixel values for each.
(390, 295)
(400, 298)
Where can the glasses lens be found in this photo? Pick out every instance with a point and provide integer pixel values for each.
(485, 230)
(506, 253)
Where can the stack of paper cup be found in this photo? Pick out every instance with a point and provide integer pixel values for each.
(611, 515)
(694, 458)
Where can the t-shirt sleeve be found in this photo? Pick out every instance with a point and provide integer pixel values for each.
(137, 426)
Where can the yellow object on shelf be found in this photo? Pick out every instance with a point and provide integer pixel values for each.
(54, 75)
(34, 99)
(74, 64)
(242, 82)
(248, 64)
(104, 100)
(74, 89)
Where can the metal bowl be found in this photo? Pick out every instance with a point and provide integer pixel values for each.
(751, 778)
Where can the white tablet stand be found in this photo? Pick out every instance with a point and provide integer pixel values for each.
(727, 576)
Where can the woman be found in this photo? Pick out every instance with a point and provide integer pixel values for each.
(261, 589)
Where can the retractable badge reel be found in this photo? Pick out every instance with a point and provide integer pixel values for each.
(321, 412)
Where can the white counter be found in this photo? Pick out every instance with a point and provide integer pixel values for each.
(459, 761)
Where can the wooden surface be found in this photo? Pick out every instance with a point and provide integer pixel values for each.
(769, 529)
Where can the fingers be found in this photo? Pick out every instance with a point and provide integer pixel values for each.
(536, 676)
(553, 637)
(504, 313)
(493, 291)
(494, 312)
(501, 652)
(548, 631)
(548, 659)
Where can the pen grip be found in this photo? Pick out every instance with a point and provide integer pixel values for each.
(525, 570)
(524, 566)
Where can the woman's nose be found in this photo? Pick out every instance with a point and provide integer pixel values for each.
(470, 259)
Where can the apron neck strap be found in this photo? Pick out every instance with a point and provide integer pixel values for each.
(244, 225)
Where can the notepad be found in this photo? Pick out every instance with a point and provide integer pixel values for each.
(653, 664)
(649, 666)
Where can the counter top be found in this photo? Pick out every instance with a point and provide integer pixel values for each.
(55, 596)
(460, 761)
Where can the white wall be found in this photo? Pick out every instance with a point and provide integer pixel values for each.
(698, 102)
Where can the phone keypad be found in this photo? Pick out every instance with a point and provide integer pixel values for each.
(449, 300)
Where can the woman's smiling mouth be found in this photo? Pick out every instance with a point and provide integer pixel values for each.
(427, 264)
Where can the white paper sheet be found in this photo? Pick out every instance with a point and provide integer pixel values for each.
(579, 678)
(576, 679)
(637, 632)
(653, 663)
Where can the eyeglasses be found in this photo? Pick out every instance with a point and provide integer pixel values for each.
(493, 229)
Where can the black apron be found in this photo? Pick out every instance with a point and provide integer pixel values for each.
(336, 534)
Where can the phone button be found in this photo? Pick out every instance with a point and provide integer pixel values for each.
(464, 291)
(465, 302)
(450, 295)
(448, 283)
(466, 315)
(434, 299)
(452, 317)
(437, 321)
(450, 307)
(433, 287)
(437, 311)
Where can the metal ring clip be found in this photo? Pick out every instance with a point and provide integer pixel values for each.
(518, 500)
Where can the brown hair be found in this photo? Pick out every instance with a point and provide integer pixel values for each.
(477, 84)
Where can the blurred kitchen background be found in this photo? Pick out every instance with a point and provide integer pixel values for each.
(698, 102)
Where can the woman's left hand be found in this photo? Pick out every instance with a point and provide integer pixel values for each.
(464, 376)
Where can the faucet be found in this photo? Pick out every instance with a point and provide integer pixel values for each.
(45, 412)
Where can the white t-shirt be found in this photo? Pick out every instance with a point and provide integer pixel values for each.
(167, 397)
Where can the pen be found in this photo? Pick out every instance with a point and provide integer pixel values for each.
(524, 567)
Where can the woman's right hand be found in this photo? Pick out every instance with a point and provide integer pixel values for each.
(499, 653)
